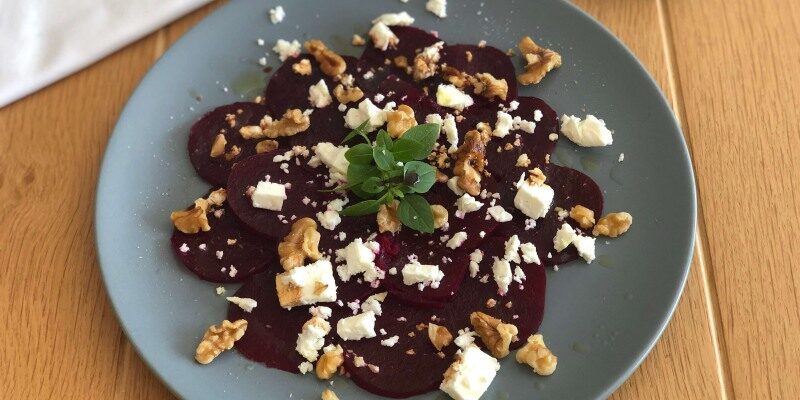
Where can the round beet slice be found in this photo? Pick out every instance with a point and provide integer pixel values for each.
(485, 59)
(473, 223)
(287, 89)
(393, 88)
(571, 188)
(215, 170)
(304, 196)
(327, 125)
(209, 256)
(412, 40)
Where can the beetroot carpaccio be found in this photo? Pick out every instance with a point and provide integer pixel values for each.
(391, 216)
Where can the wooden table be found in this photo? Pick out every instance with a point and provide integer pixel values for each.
(730, 69)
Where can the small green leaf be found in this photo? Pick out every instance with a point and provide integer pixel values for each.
(369, 207)
(341, 188)
(384, 158)
(384, 140)
(361, 130)
(415, 213)
(425, 174)
(425, 135)
(359, 154)
(357, 173)
(373, 185)
(407, 150)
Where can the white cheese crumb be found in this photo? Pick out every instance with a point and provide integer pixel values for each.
(382, 36)
(391, 19)
(591, 132)
(529, 254)
(473, 372)
(246, 304)
(318, 94)
(220, 290)
(304, 367)
(499, 214)
(621, 157)
(422, 274)
(452, 184)
(357, 327)
(390, 342)
(452, 97)
(467, 204)
(184, 248)
(475, 259)
(532, 199)
(501, 270)
(457, 240)
(286, 49)
(537, 115)
(359, 258)
(367, 111)
(312, 338)
(503, 125)
(269, 196)
(465, 338)
(276, 15)
(437, 7)
(450, 132)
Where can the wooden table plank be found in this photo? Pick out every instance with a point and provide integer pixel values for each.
(738, 64)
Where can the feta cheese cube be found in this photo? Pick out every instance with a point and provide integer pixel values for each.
(499, 214)
(437, 7)
(269, 196)
(468, 204)
(457, 240)
(309, 284)
(416, 273)
(501, 270)
(318, 94)
(391, 19)
(591, 132)
(503, 125)
(534, 200)
(470, 375)
(452, 97)
(357, 327)
(359, 258)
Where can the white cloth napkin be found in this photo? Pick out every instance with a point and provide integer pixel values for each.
(42, 41)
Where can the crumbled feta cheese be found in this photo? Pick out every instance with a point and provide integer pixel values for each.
(359, 258)
(465, 338)
(512, 249)
(501, 270)
(585, 246)
(334, 158)
(269, 196)
(220, 290)
(382, 36)
(591, 132)
(304, 367)
(473, 372)
(564, 237)
(312, 338)
(475, 259)
(390, 342)
(367, 111)
(537, 115)
(329, 219)
(424, 274)
(287, 49)
(468, 204)
(452, 183)
(437, 7)
(373, 303)
(184, 248)
(357, 327)
(321, 311)
(246, 304)
(452, 97)
(457, 240)
(499, 214)
(433, 119)
(260, 42)
(276, 15)
(450, 132)
(391, 19)
(519, 275)
(523, 125)
(503, 125)
(621, 157)
(529, 254)
(318, 94)
(534, 200)
(300, 285)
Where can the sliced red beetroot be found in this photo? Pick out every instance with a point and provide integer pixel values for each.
(485, 59)
(473, 223)
(327, 125)
(209, 256)
(287, 89)
(272, 331)
(215, 170)
(412, 40)
(304, 197)
(401, 92)
(571, 188)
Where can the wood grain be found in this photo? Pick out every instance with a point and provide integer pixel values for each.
(718, 61)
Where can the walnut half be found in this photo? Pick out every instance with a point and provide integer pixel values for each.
(330, 63)
(331, 359)
(495, 334)
(400, 120)
(387, 218)
(583, 216)
(440, 337)
(470, 161)
(292, 123)
(347, 94)
(440, 215)
(300, 243)
(196, 220)
(538, 356)
(613, 224)
(219, 338)
(486, 85)
(539, 61)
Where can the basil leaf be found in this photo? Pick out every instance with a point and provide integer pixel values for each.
(426, 175)
(359, 154)
(415, 213)
(361, 194)
(425, 135)
(373, 185)
(384, 140)
(358, 131)
(369, 207)
(407, 150)
(357, 173)
(383, 158)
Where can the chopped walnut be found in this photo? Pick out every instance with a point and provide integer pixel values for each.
(440, 337)
(400, 120)
(302, 242)
(486, 85)
(328, 394)
(468, 54)
(491, 303)
(495, 334)
(538, 356)
(302, 67)
(233, 153)
(346, 95)
(230, 119)
(583, 216)
(424, 65)
(330, 63)
(523, 161)
(536, 176)
(470, 161)
(218, 147)
(387, 218)
(440, 215)
(411, 352)
(358, 40)
(292, 123)
(539, 61)
(265, 146)
(457, 78)
(330, 360)
(613, 224)
(196, 220)
(400, 62)
(219, 338)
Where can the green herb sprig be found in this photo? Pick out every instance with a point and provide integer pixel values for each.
(386, 169)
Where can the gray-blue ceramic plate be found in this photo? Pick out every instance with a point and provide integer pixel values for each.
(601, 319)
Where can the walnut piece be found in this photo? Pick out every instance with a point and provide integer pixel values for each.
(400, 120)
(495, 334)
(613, 224)
(539, 61)
(266, 146)
(219, 338)
(300, 243)
(330, 63)
(302, 67)
(523, 160)
(486, 85)
(441, 177)
(196, 220)
(387, 218)
(292, 123)
(348, 94)
(358, 40)
(400, 62)
(583, 216)
(424, 65)
(328, 394)
(536, 176)
(457, 78)
(233, 153)
(440, 216)
(538, 356)
(470, 161)
(218, 147)
(330, 360)
(440, 337)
